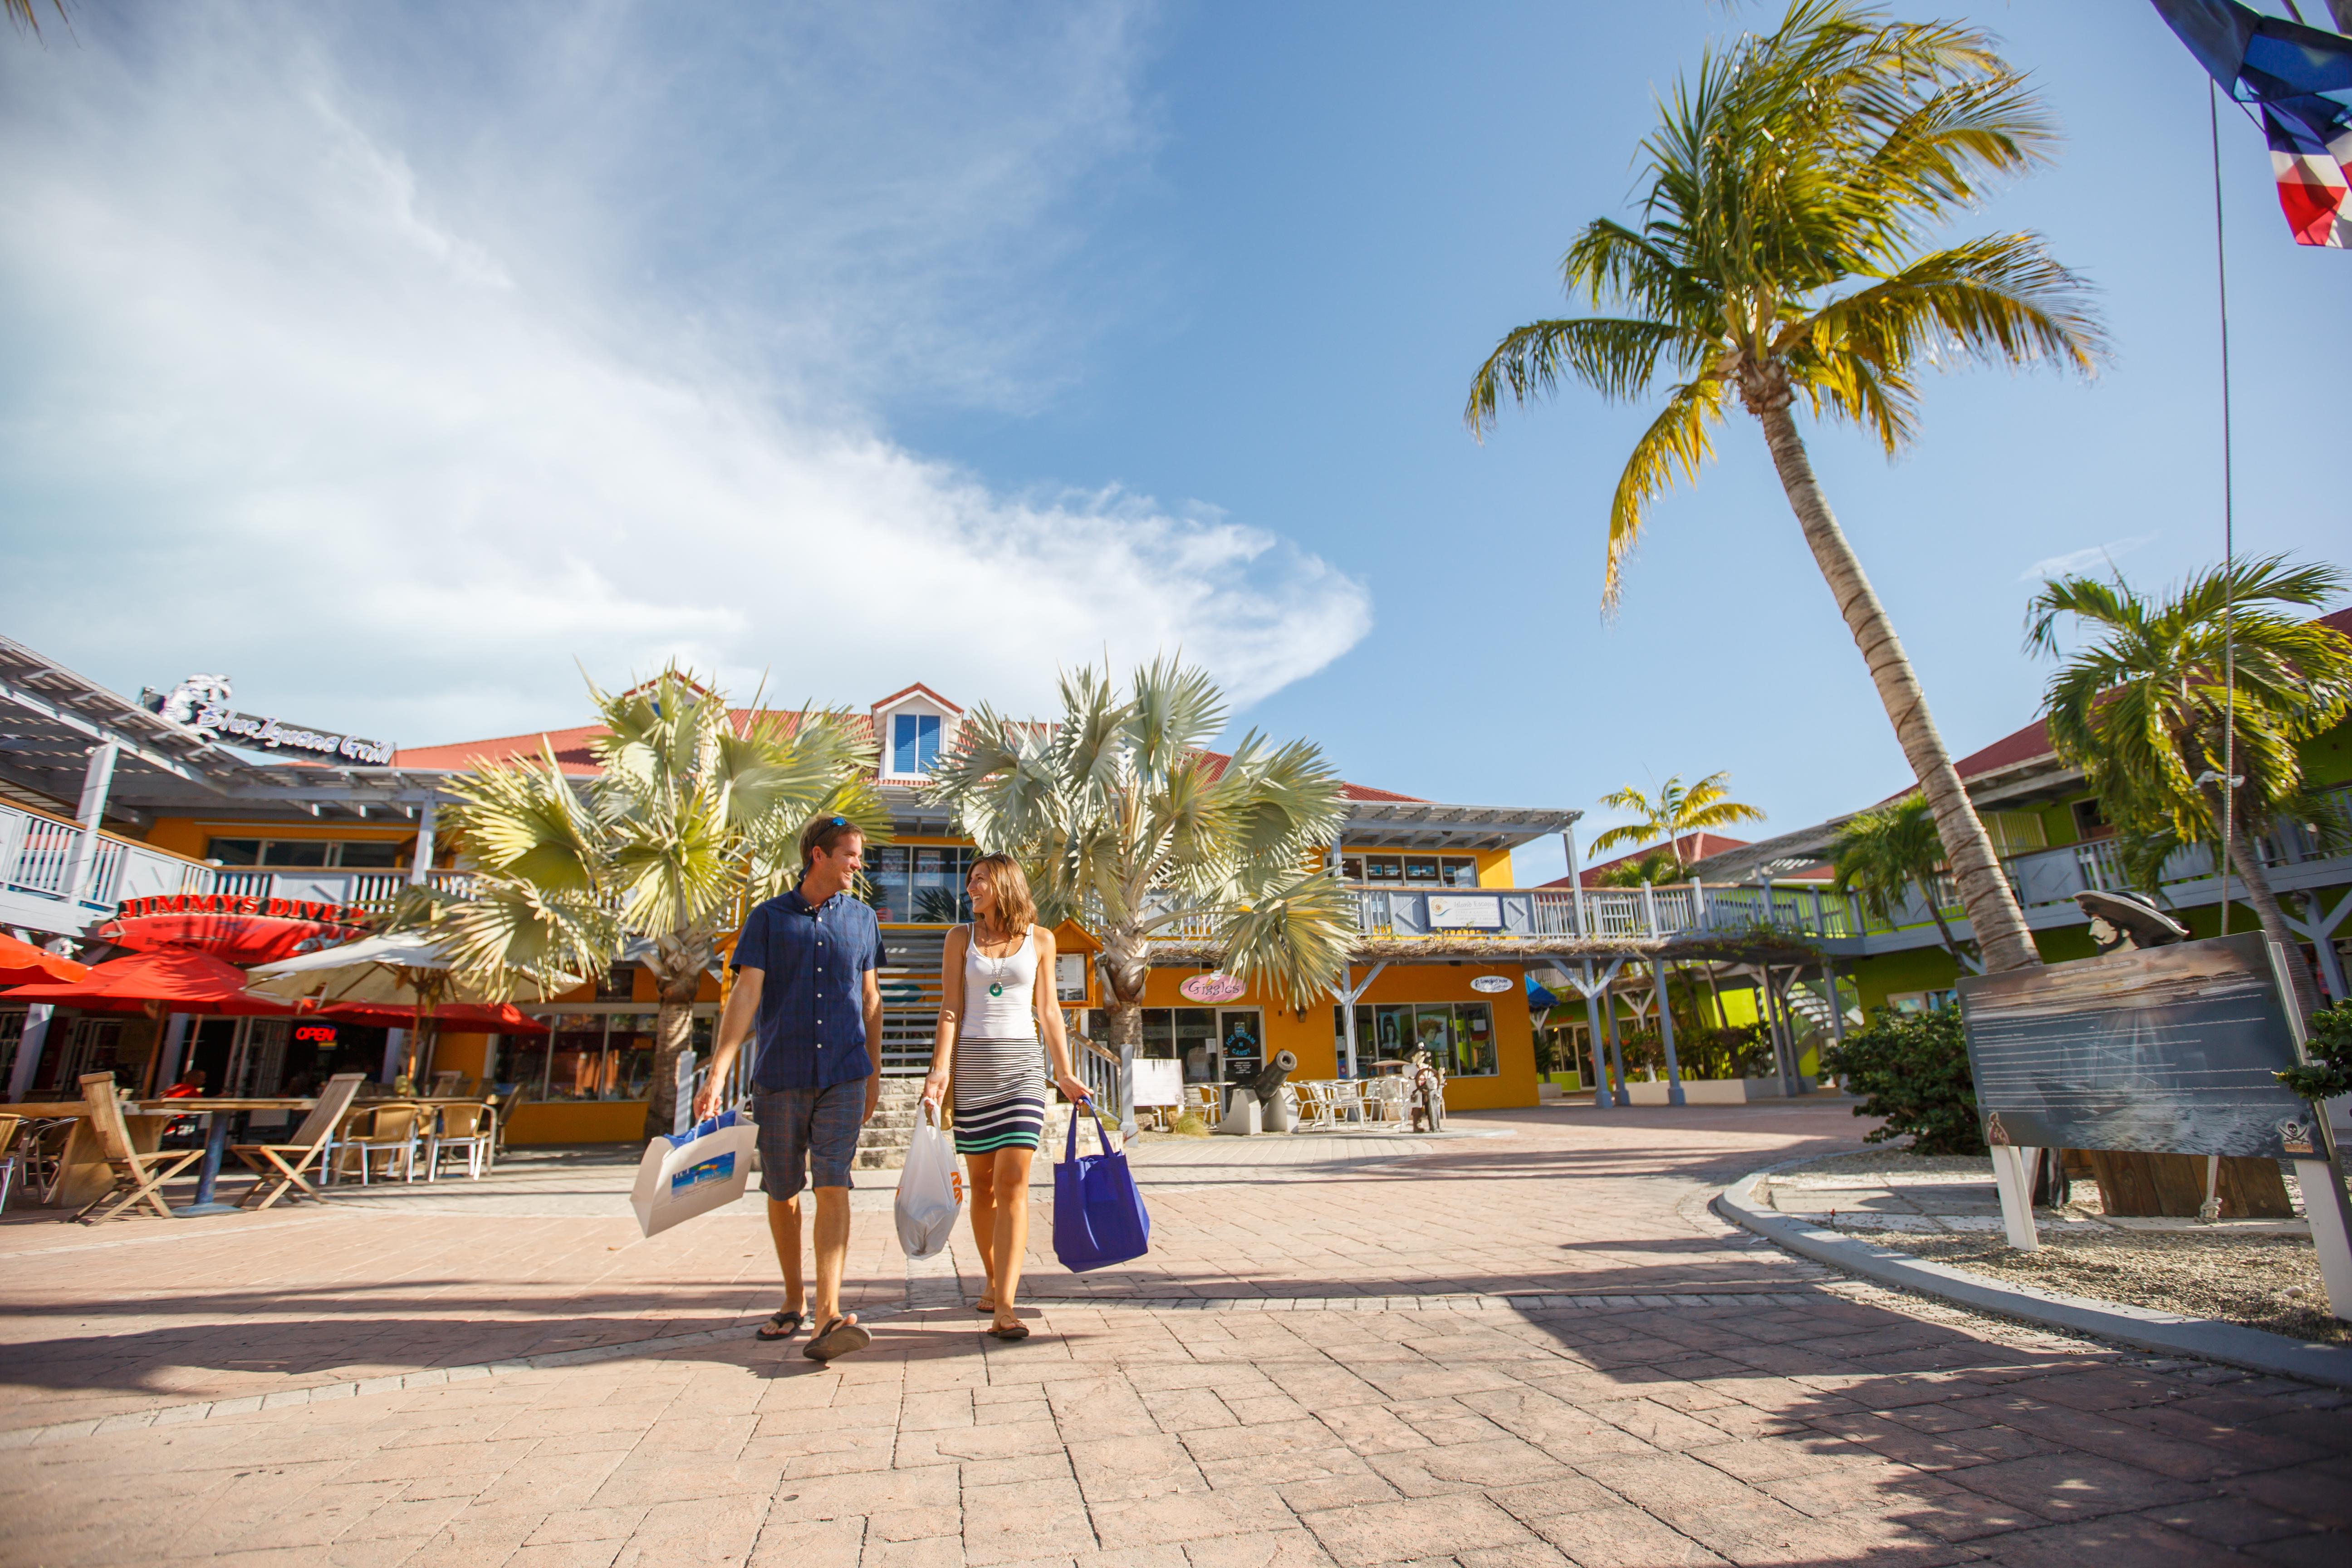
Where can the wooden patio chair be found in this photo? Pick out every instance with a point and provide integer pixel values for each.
(395, 1132)
(138, 1178)
(469, 1129)
(9, 1158)
(445, 1084)
(279, 1168)
(503, 1107)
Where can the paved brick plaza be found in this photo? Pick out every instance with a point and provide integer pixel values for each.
(1317, 1365)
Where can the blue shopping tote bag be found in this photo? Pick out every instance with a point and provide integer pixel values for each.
(1098, 1217)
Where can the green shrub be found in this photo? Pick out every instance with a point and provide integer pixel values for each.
(1913, 1069)
(2329, 1048)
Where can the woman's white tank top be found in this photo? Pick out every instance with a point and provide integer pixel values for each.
(999, 994)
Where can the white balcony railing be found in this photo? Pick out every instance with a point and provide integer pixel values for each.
(41, 858)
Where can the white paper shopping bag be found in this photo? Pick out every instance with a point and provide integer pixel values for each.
(694, 1172)
(930, 1191)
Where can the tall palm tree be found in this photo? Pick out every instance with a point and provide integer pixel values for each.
(2144, 710)
(694, 819)
(1123, 822)
(1884, 853)
(1778, 257)
(1677, 812)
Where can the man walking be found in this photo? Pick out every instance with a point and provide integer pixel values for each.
(805, 974)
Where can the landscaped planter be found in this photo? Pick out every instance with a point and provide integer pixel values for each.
(1712, 1090)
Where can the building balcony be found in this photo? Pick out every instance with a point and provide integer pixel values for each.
(49, 888)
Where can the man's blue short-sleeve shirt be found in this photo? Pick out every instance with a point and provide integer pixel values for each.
(813, 960)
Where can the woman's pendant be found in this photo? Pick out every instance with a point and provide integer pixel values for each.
(996, 988)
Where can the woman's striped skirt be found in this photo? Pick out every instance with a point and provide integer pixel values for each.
(1000, 1094)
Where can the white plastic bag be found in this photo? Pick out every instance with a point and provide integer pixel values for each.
(694, 1172)
(930, 1191)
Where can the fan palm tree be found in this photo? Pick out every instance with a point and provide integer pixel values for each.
(2144, 710)
(1675, 812)
(1123, 822)
(1778, 258)
(694, 819)
(1884, 853)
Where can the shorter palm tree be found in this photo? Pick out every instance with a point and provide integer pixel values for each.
(1676, 813)
(1123, 821)
(695, 817)
(1882, 855)
(2188, 712)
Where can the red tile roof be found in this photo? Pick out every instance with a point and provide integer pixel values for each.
(573, 752)
(1694, 846)
(2033, 742)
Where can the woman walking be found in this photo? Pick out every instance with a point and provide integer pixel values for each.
(996, 998)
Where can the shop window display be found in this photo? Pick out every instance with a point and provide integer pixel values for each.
(592, 1057)
(1458, 1036)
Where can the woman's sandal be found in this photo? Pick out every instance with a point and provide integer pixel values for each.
(1015, 1329)
(781, 1326)
(838, 1338)
(985, 1308)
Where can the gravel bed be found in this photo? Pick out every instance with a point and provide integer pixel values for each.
(2236, 1279)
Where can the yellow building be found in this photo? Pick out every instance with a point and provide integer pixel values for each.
(173, 811)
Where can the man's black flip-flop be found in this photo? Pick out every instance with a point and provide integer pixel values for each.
(781, 1326)
(839, 1337)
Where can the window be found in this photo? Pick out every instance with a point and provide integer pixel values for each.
(919, 883)
(617, 984)
(373, 854)
(2089, 823)
(914, 742)
(1411, 870)
(591, 1057)
(1458, 1036)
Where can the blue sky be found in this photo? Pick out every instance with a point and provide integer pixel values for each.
(392, 366)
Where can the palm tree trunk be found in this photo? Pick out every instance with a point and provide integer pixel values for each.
(673, 1035)
(1126, 966)
(2000, 925)
(2246, 860)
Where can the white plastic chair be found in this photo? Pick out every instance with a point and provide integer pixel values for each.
(1348, 1100)
(469, 1129)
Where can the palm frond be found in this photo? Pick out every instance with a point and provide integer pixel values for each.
(1290, 936)
(1675, 443)
(1615, 357)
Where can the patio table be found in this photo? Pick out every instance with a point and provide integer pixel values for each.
(216, 1138)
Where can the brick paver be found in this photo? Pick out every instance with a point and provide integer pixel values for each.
(1522, 1350)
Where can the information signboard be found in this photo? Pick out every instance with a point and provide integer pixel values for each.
(2163, 1050)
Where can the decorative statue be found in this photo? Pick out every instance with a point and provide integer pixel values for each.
(2127, 921)
(1427, 1081)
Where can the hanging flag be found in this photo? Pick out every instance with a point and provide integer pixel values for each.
(2302, 78)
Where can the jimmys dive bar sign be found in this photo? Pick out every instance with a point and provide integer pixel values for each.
(202, 703)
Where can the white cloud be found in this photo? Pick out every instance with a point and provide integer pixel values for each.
(2076, 561)
(393, 387)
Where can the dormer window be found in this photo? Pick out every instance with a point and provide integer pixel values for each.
(913, 743)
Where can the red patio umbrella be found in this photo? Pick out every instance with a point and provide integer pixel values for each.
(177, 981)
(22, 964)
(238, 930)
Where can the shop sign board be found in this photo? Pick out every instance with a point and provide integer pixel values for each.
(2160, 1050)
(1491, 984)
(1211, 989)
(1159, 1080)
(202, 703)
(1455, 911)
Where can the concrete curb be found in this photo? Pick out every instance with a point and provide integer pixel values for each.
(2208, 1339)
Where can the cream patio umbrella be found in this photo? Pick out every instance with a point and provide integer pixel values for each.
(398, 968)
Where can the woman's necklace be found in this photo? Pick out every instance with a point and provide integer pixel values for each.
(995, 987)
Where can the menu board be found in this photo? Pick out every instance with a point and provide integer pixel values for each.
(2166, 1050)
